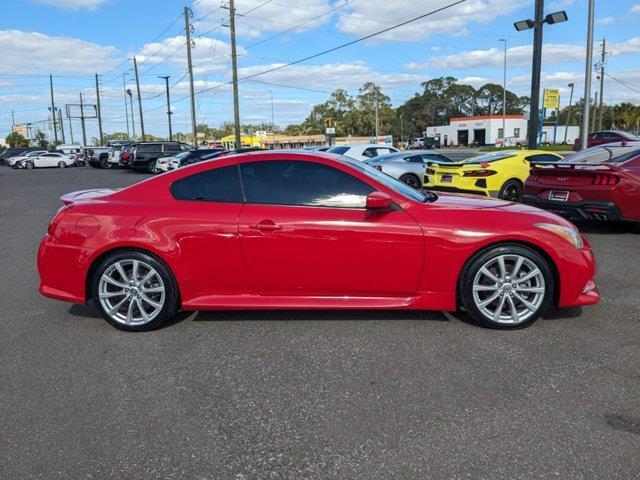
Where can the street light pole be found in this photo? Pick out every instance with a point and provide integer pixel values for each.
(166, 81)
(537, 24)
(504, 93)
(587, 80)
(568, 122)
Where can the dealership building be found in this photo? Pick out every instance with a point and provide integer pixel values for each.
(487, 129)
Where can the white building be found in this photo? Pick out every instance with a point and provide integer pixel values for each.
(486, 129)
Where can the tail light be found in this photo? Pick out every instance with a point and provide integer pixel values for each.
(533, 176)
(605, 179)
(479, 173)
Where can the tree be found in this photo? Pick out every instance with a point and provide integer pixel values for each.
(15, 140)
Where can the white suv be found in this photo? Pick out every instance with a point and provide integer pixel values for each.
(363, 151)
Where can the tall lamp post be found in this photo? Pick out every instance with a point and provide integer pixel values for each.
(568, 122)
(504, 93)
(133, 119)
(584, 131)
(537, 24)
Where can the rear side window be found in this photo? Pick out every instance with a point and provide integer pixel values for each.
(148, 148)
(217, 185)
(338, 150)
(291, 182)
(172, 147)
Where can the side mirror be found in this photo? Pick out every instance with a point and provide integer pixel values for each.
(379, 201)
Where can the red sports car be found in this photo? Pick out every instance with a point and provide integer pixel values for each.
(287, 230)
(600, 138)
(600, 183)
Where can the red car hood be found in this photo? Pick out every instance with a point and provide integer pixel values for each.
(461, 202)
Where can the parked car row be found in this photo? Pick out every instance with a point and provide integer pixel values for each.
(599, 183)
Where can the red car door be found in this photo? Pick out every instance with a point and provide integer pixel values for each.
(305, 231)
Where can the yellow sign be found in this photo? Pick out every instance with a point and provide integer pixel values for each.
(551, 98)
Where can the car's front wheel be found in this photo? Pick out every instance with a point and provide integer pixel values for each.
(507, 287)
(28, 165)
(411, 180)
(134, 291)
(62, 165)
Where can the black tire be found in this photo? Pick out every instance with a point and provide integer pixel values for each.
(151, 166)
(62, 165)
(103, 160)
(28, 165)
(512, 191)
(412, 180)
(171, 294)
(476, 263)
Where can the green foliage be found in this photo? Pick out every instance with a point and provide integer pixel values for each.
(41, 140)
(15, 140)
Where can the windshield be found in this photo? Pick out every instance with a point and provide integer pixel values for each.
(181, 155)
(492, 156)
(386, 180)
(338, 150)
(608, 154)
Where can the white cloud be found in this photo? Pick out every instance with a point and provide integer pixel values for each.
(367, 17)
(634, 9)
(605, 21)
(259, 17)
(74, 4)
(552, 54)
(32, 52)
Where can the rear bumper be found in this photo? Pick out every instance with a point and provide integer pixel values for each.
(484, 193)
(585, 210)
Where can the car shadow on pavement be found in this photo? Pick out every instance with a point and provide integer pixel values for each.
(608, 228)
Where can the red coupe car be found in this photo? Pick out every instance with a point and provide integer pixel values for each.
(287, 230)
(600, 138)
(600, 183)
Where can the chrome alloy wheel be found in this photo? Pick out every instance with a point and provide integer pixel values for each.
(131, 292)
(508, 289)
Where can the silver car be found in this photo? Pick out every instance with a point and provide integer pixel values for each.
(407, 166)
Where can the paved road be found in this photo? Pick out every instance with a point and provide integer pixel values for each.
(319, 395)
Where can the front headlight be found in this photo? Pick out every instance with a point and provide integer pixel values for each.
(568, 233)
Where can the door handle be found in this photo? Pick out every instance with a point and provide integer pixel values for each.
(266, 227)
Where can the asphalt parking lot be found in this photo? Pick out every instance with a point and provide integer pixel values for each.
(319, 395)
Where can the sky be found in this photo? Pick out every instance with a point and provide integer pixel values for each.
(75, 39)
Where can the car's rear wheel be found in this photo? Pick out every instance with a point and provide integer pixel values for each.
(411, 180)
(134, 291)
(511, 191)
(507, 287)
(62, 165)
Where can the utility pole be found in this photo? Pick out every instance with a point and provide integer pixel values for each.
(13, 121)
(133, 119)
(273, 123)
(135, 67)
(402, 128)
(84, 131)
(61, 125)
(568, 122)
(234, 66)
(587, 79)
(603, 56)
(593, 118)
(166, 81)
(53, 109)
(377, 122)
(126, 110)
(98, 106)
(70, 126)
(534, 115)
(504, 93)
(187, 29)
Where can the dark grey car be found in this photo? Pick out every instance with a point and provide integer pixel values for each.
(407, 166)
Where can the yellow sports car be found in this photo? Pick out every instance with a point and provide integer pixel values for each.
(498, 174)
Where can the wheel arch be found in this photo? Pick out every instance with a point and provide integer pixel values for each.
(518, 243)
(96, 261)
